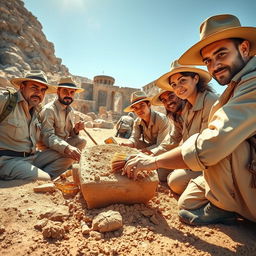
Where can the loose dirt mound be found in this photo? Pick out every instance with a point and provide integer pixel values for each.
(50, 224)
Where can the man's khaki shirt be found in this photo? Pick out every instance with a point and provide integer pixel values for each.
(57, 125)
(221, 149)
(19, 131)
(154, 133)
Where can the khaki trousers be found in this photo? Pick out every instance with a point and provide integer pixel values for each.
(34, 167)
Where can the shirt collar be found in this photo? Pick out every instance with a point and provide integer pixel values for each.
(248, 68)
(199, 102)
(152, 118)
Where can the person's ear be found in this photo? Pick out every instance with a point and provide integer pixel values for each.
(244, 48)
(197, 78)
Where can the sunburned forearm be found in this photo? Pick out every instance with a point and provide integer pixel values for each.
(171, 160)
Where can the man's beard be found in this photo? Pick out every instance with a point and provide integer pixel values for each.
(62, 101)
(231, 70)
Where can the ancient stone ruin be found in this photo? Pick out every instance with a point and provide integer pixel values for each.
(101, 188)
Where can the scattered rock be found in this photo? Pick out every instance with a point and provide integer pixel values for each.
(2, 229)
(40, 224)
(107, 221)
(53, 230)
(57, 214)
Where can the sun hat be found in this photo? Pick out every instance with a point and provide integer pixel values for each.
(217, 28)
(156, 99)
(163, 81)
(35, 76)
(137, 97)
(67, 82)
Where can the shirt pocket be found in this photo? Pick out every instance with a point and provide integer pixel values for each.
(17, 129)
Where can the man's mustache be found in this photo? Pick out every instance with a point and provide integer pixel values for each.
(35, 96)
(219, 70)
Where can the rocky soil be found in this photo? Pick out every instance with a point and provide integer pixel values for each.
(53, 224)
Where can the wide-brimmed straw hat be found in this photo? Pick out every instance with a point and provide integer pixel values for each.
(35, 76)
(156, 99)
(67, 82)
(163, 81)
(137, 97)
(217, 28)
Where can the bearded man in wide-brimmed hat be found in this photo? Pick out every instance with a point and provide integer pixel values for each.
(225, 150)
(20, 127)
(60, 130)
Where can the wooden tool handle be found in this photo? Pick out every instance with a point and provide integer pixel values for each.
(90, 137)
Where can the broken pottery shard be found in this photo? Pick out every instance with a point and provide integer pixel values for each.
(112, 188)
(49, 187)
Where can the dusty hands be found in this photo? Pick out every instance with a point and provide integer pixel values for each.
(137, 164)
(127, 144)
(78, 126)
(146, 151)
(73, 152)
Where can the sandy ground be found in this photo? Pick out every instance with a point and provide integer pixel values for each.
(50, 224)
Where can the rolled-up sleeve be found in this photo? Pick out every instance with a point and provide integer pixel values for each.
(229, 126)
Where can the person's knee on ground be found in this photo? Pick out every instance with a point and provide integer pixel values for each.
(179, 179)
(193, 196)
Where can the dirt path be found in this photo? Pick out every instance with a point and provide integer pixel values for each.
(50, 224)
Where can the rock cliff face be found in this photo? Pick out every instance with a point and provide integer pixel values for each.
(23, 45)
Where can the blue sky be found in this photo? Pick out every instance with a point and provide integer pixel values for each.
(132, 40)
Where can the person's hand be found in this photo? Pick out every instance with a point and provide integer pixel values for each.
(146, 151)
(127, 144)
(78, 127)
(73, 152)
(137, 164)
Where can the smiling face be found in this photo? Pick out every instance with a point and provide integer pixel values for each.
(33, 92)
(66, 95)
(170, 101)
(185, 87)
(225, 58)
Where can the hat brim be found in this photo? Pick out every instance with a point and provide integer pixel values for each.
(130, 108)
(156, 100)
(163, 81)
(72, 87)
(16, 82)
(193, 57)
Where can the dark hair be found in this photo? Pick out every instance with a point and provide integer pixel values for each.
(201, 85)
(237, 41)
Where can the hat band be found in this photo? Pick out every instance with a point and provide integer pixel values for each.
(68, 84)
(37, 78)
(140, 98)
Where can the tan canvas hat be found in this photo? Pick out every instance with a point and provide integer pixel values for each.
(36, 76)
(137, 97)
(67, 82)
(163, 81)
(156, 99)
(217, 28)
